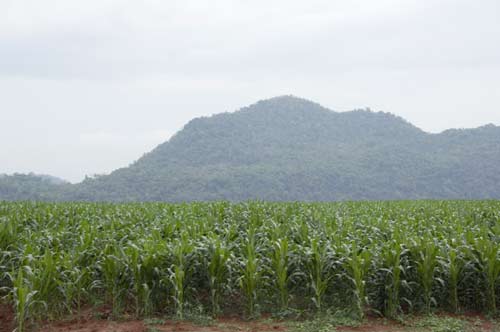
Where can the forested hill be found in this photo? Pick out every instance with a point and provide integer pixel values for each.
(31, 187)
(287, 148)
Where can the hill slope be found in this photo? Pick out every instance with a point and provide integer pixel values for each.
(31, 187)
(287, 148)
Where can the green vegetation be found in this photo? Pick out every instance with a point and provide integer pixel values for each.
(441, 324)
(301, 258)
(291, 149)
(31, 187)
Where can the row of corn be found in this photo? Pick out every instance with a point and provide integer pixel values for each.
(246, 258)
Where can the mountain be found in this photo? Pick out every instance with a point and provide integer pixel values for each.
(288, 148)
(30, 186)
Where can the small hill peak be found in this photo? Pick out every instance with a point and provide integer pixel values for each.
(290, 148)
(285, 104)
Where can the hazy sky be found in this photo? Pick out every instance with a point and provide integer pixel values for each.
(89, 86)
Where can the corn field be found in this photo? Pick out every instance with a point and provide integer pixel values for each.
(249, 258)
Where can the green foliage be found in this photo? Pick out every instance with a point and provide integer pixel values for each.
(288, 259)
(24, 297)
(325, 322)
(358, 263)
(319, 267)
(394, 268)
(279, 267)
(178, 272)
(251, 273)
(426, 265)
(218, 266)
(31, 187)
(487, 254)
(318, 324)
(454, 265)
(441, 324)
(289, 149)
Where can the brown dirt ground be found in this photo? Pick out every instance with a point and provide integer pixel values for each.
(6, 318)
(88, 322)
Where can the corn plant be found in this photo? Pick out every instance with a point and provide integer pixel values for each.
(74, 287)
(251, 274)
(454, 264)
(112, 267)
(281, 276)
(319, 269)
(219, 256)
(159, 258)
(488, 262)
(23, 297)
(44, 279)
(152, 257)
(178, 272)
(394, 269)
(427, 263)
(141, 291)
(357, 264)
(8, 233)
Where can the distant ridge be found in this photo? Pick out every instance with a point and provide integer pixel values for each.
(30, 187)
(289, 148)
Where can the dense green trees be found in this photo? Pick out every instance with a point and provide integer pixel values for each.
(288, 148)
(30, 187)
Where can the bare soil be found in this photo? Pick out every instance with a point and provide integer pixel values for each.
(6, 318)
(98, 321)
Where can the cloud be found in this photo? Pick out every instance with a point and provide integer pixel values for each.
(151, 138)
(101, 81)
(119, 40)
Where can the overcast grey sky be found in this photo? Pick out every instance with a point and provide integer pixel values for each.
(89, 86)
